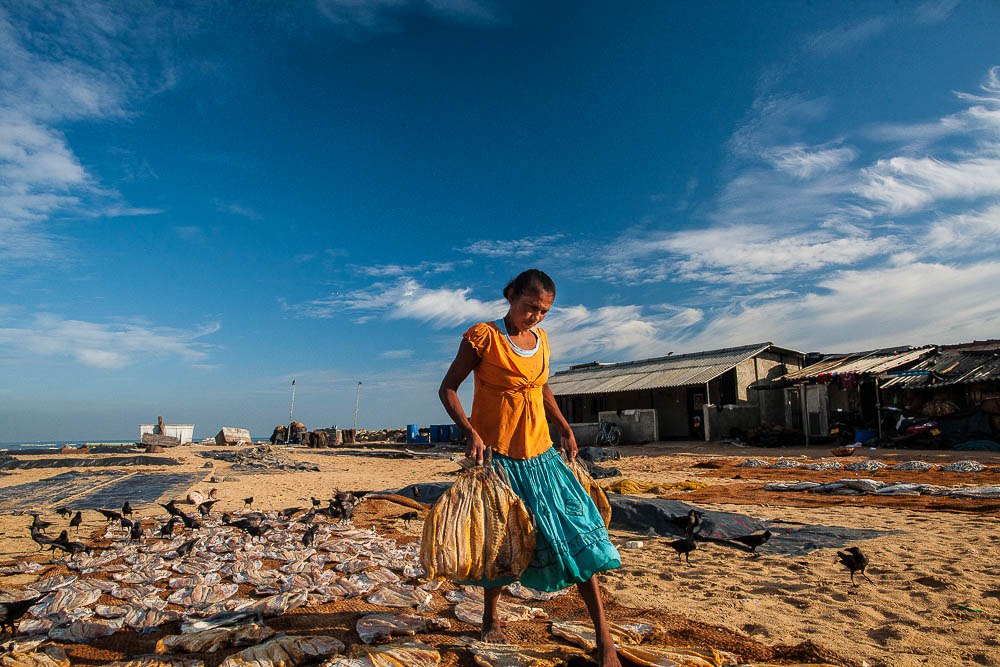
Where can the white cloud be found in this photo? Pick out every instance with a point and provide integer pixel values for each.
(373, 16)
(904, 185)
(517, 248)
(105, 346)
(396, 354)
(856, 310)
(935, 11)
(846, 38)
(233, 208)
(805, 163)
(965, 232)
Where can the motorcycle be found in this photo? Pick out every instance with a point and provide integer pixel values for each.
(911, 431)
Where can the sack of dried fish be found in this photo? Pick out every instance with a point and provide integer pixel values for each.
(478, 529)
(592, 488)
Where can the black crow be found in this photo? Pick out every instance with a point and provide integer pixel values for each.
(255, 530)
(855, 561)
(240, 523)
(125, 523)
(110, 515)
(408, 517)
(126, 509)
(11, 612)
(69, 547)
(41, 540)
(171, 508)
(189, 521)
(688, 523)
(76, 521)
(38, 524)
(289, 512)
(206, 507)
(136, 532)
(309, 535)
(248, 502)
(754, 541)
(167, 529)
(308, 516)
(64, 512)
(315, 501)
(186, 547)
(683, 547)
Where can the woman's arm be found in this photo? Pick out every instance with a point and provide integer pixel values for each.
(465, 361)
(552, 412)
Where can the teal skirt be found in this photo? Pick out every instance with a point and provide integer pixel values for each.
(571, 542)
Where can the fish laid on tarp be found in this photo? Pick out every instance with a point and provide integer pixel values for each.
(65, 599)
(478, 528)
(149, 620)
(380, 627)
(47, 656)
(521, 655)
(401, 595)
(216, 639)
(583, 635)
(519, 590)
(276, 605)
(286, 651)
(225, 619)
(400, 654)
(111, 611)
(202, 595)
(156, 661)
(663, 656)
(510, 612)
(595, 492)
(81, 632)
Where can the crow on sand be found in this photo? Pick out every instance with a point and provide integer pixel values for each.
(64, 512)
(167, 529)
(205, 508)
(309, 535)
(684, 547)
(855, 561)
(248, 502)
(171, 508)
(408, 517)
(754, 541)
(76, 521)
(41, 540)
(110, 515)
(688, 523)
(11, 612)
(136, 532)
(38, 524)
(126, 509)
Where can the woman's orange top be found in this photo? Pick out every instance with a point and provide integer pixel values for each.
(507, 408)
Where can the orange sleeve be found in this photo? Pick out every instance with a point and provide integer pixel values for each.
(479, 338)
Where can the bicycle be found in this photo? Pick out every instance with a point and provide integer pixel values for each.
(609, 433)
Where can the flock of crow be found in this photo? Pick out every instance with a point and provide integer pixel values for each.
(690, 524)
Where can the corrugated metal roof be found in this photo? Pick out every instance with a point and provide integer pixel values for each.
(862, 363)
(681, 370)
(949, 367)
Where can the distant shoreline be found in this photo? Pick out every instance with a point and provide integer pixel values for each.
(58, 444)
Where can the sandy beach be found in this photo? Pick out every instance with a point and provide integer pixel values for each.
(934, 600)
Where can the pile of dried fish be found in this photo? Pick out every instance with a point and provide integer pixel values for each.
(964, 466)
(753, 463)
(478, 528)
(595, 492)
(400, 654)
(913, 465)
(258, 459)
(787, 463)
(381, 627)
(31, 654)
(825, 465)
(286, 651)
(870, 465)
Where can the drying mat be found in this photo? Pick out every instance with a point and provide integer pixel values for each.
(90, 462)
(96, 489)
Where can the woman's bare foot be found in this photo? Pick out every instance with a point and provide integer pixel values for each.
(492, 632)
(607, 657)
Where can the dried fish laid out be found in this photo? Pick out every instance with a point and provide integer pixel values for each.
(478, 528)
(383, 626)
(519, 590)
(521, 655)
(286, 651)
(583, 635)
(469, 607)
(662, 656)
(202, 595)
(156, 661)
(32, 656)
(215, 639)
(401, 595)
(65, 599)
(400, 654)
(81, 632)
(593, 490)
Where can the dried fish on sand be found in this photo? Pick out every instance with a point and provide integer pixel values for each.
(472, 612)
(47, 656)
(662, 656)
(81, 632)
(216, 639)
(521, 655)
(400, 654)
(623, 633)
(401, 595)
(478, 528)
(156, 661)
(286, 651)
(592, 488)
(380, 627)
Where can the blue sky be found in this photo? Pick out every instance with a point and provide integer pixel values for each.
(200, 204)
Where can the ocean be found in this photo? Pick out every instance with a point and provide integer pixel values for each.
(58, 444)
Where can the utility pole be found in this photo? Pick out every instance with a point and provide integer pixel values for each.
(357, 401)
(291, 408)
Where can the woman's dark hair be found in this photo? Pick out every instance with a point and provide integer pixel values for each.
(531, 281)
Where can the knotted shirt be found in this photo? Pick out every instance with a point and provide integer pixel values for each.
(507, 408)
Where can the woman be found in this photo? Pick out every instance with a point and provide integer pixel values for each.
(511, 403)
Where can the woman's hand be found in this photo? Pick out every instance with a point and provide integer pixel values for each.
(475, 447)
(568, 443)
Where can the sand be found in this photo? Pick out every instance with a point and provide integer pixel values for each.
(935, 598)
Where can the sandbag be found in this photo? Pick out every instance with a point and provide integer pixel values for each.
(478, 529)
(595, 492)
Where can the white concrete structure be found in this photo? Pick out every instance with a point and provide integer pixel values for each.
(183, 432)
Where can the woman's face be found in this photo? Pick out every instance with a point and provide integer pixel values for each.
(529, 309)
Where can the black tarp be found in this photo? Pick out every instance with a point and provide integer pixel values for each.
(83, 462)
(96, 489)
(653, 517)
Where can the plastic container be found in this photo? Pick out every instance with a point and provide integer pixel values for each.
(435, 433)
(412, 433)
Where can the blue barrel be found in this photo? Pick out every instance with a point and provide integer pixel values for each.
(412, 433)
(435, 433)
